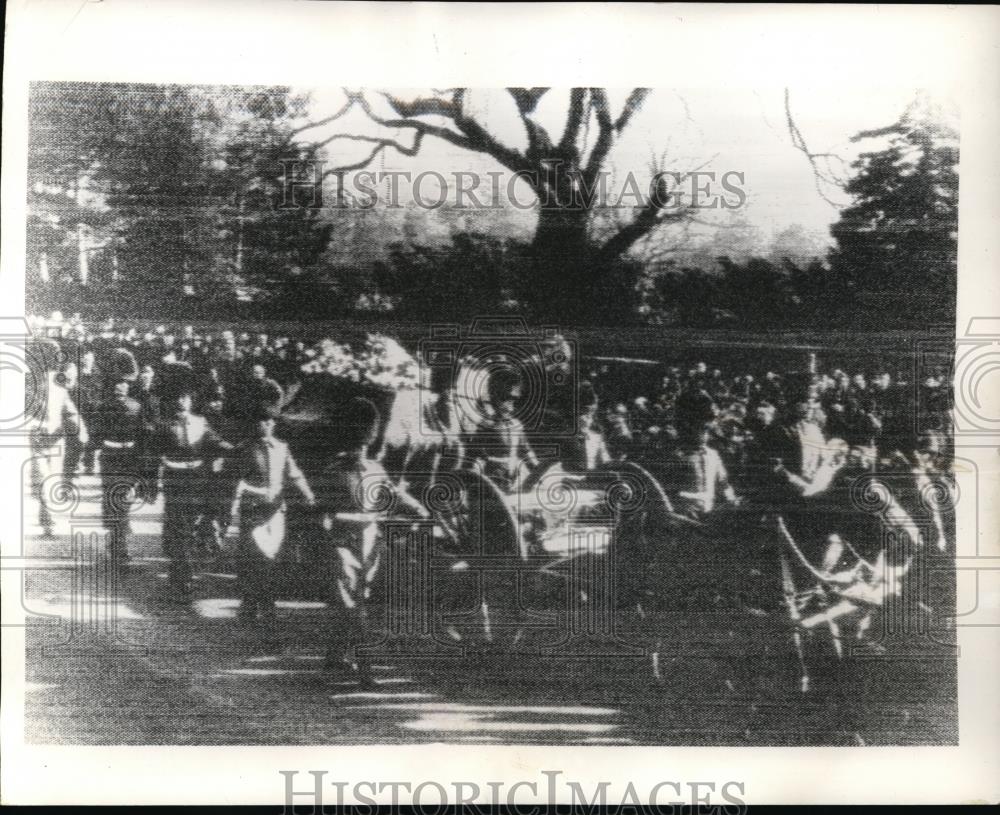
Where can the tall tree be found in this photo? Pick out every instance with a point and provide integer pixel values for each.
(66, 217)
(900, 233)
(184, 181)
(270, 245)
(155, 160)
(564, 168)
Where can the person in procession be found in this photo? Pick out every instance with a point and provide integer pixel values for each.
(353, 494)
(499, 444)
(118, 434)
(53, 424)
(265, 467)
(188, 449)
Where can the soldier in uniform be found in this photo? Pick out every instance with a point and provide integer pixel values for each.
(118, 430)
(586, 450)
(423, 434)
(85, 384)
(218, 502)
(499, 444)
(352, 492)
(145, 390)
(266, 466)
(442, 414)
(54, 424)
(187, 447)
(91, 390)
(69, 379)
(699, 477)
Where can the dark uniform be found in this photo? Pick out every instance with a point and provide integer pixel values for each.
(118, 433)
(149, 462)
(502, 447)
(186, 445)
(219, 500)
(349, 490)
(353, 493)
(90, 392)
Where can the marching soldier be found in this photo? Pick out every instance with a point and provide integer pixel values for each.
(118, 434)
(266, 466)
(187, 447)
(84, 383)
(353, 491)
(262, 389)
(587, 450)
(145, 390)
(91, 390)
(218, 504)
(57, 421)
(68, 378)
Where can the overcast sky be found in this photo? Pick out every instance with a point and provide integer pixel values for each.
(731, 129)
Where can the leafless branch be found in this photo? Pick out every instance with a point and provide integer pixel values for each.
(379, 146)
(526, 99)
(348, 104)
(823, 173)
(605, 134)
(654, 250)
(587, 117)
(574, 120)
(402, 148)
(471, 135)
(654, 214)
(632, 104)
(607, 127)
(539, 143)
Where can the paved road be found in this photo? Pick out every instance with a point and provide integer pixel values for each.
(114, 662)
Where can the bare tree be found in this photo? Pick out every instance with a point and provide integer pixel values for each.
(563, 170)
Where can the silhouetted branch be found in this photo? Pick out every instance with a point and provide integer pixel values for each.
(820, 162)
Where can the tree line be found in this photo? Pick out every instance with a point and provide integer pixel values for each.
(166, 199)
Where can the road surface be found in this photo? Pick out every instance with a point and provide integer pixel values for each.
(114, 661)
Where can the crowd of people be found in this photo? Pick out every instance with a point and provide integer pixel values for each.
(793, 430)
(193, 415)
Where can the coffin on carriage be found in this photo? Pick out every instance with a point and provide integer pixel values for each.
(502, 566)
(514, 571)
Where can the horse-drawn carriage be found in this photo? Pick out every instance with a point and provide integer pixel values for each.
(572, 559)
(503, 569)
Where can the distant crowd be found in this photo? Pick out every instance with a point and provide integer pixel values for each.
(167, 402)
